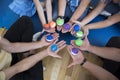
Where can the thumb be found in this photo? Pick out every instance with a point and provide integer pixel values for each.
(58, 56)
(70, 65)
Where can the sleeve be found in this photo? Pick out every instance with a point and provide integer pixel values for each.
(2, 75)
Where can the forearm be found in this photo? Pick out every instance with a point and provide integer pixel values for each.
(40, 11)
(19, 47)
(103, 24)
(24, 64)
(99, 72)
(49, 10)
(106, 52)
(93, 14)
(61, 7)
(80, 10)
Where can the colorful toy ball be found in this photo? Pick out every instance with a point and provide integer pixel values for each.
(52, 24)
(66, 26)
(76, 27)
(79, 34)
(60, 21)
(78, 42)
(46, 26)
(49, 38)
(74, 51)
(54, 47)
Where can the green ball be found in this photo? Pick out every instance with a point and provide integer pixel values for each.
(78, 42)
(79, 34)
(60, 21)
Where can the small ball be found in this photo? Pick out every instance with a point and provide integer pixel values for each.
(78, 42)
(76, 27)
(66, 26)
(60, 21)
(54, 47)
(49, 38)
(46, 26)
(79, 34)
(74, 51)
(52, 24)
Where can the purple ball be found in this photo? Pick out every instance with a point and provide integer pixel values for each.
(75, 51)
(66, 26)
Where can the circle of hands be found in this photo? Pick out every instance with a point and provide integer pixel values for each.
(77, 59)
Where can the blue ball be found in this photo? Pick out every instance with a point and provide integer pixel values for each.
(76, 28)
(54, 47)
(49, 38)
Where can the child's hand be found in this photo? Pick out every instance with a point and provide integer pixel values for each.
(72, 28)
(45, 43)
(85, 45)
(77, 59)
(60, 45)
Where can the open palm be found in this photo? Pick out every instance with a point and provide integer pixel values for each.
(77, 59)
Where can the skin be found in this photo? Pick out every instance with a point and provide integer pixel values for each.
(102, 24)
(110, 53)
(29, 62)
(94, 69)
(77, 14)
(18, 46)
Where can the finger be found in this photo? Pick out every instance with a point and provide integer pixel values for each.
(61, 43)
(60, 48)
(77, 22)
(55, 37)
(72, 42)
(58, 56)
(74, 33)
(71, 28)
(54, 42)
(70, 65)
(54, 34)
(69, 48)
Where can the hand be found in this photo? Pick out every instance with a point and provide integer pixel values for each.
(77, 59)
(43, 41)
(85, 46)
(76, 22)
(65, 31)
(51, 30)
(60, 45)
(85, 30)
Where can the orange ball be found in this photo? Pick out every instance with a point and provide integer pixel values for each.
(52, 24)
(46, 26)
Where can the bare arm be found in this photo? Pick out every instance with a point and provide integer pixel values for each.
(61, 7)
(18, 47)
(22, 46)
(29, 62)
(49, 10)
(94, 13)
(24, 64)
(99, 72)
(40, 11)
(80, 10)
(106, 52)
(110, 21)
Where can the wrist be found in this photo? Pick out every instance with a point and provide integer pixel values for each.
(90, 48)
(83, 61)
